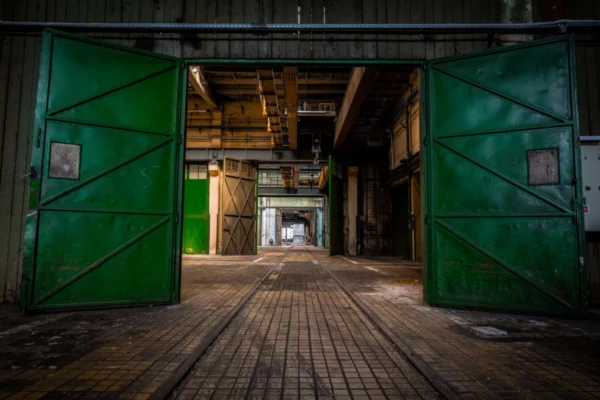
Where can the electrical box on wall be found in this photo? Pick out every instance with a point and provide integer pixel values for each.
(590, 165)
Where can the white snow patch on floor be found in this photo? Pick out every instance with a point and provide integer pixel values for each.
(457, 320)
(537, 323)
(398, 294)
(375, 270)
(488, 331)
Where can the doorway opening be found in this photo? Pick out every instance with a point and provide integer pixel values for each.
(290, 206)
(430, 165)
(318, 137)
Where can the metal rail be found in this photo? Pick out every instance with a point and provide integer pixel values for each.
(263, 156)
(551, 27)
(430, 374)
(166, 389)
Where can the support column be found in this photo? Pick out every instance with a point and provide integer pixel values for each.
(352, 208)
(516, 12)
(213, 207)
(278, 222)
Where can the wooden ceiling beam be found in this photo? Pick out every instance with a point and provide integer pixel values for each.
(196, 77)
(290, 82)
(323, 178)
(270, 103)
(361, 81)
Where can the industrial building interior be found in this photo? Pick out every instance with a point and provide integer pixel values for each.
(285, 122)
(304, 229)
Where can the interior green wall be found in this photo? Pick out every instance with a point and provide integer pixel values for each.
(196, 218)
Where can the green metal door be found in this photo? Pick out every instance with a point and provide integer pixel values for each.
(105, 190)
(196, 217)
(336, 208)
(503, 203)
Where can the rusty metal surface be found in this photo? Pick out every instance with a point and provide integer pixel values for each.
(238, 198)
(64, 160)
(543, 167)
(504, 226)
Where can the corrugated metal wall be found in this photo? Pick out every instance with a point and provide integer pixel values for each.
(19, 59)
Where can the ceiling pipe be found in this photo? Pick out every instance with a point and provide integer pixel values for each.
(315, 113)
(558, 26)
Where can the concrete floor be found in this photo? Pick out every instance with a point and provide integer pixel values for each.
(290, 323)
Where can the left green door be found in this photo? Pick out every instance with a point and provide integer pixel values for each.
(105, 188)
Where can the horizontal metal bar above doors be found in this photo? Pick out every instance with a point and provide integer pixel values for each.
(278, 156)
(558, 26)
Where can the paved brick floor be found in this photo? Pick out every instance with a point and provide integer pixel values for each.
(300, 335)
(479, 354)
(124, 353)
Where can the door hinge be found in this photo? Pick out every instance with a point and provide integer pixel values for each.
(179, 139)
(39, 138)
(412, 222)
(577, 215)
(176, 218)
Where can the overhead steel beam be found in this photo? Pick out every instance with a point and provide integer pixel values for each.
(405, 169)
(251, 81)
(196, 77)
(558, 26)
(235, 92)
(275, 156)
(279, 191)
(361, 81)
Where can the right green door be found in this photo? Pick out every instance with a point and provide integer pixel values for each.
(503, 196)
